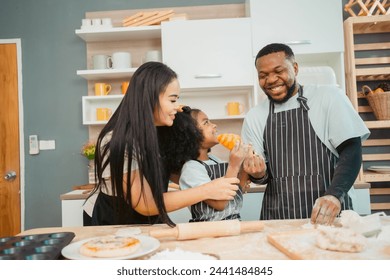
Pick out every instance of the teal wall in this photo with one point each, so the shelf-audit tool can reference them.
(51, 55)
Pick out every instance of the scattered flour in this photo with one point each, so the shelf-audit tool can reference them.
(368, 226)
(129, 231)
(179, 254)
(308, 225)
(340, 239)
(384, 235)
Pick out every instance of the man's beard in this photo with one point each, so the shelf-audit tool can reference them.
(290, 92)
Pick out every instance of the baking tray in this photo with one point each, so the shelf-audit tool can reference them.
(34, 246)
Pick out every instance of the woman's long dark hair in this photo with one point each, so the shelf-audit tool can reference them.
(134, 134)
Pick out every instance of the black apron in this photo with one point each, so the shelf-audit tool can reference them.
(300, 166)
(106, 212)
(202, 211)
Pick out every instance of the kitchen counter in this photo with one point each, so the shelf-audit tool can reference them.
(82, 192)
(72, 204)
(244, 246)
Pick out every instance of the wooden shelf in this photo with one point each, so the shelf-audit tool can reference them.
(372, 46)
(376, 142)
(370, 24)
(373, 74)
(375, 157)
(370, 176)
(366, 64)
(377, 124)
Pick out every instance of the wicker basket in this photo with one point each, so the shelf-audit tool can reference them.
(379, 102)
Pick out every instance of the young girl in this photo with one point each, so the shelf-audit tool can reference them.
(132, 181)
(195, 135)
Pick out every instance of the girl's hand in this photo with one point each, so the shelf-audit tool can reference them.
(238, 154)
(254, 164)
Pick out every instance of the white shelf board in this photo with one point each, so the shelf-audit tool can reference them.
(106, 73)
(95, 122)
(223, 118)
(119, 33)
(96, 98)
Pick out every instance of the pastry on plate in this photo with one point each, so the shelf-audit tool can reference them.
(110, 246)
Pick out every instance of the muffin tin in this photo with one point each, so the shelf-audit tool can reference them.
(35, 246)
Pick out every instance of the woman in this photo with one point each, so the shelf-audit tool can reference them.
(131, 179)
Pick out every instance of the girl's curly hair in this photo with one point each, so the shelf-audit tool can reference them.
(181, 141)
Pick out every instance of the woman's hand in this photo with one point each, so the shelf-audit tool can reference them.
(221, 188)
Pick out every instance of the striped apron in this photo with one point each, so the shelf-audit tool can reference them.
(300, 166)
(203, 212)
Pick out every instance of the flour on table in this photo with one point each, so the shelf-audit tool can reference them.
(384, 235)
(179, 254)
(340, 239)
(369, 225)
(129, 231)
(308, 225)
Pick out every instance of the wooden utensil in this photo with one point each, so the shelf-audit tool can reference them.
(154, 19)
(196, 230)
(138, 18)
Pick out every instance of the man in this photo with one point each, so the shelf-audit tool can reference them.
(310, 137)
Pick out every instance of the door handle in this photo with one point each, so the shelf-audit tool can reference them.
(10, 176)
(208, 76)
(299, 42)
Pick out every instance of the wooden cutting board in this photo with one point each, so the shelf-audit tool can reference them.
(301, 245)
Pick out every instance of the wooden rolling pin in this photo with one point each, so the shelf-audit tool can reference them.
(196, 230)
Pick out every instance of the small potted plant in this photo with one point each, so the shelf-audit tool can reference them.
(88, 150)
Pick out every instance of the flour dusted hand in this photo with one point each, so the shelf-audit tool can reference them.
(325, 210)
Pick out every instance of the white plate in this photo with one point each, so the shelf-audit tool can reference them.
(148, 245)
(380, 169)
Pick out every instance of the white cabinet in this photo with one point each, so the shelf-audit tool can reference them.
(209, 53)
(213, 61)
(308, 26)
(312, 28)
(72, 208)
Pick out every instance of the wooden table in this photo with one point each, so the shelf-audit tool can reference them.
(245, 246)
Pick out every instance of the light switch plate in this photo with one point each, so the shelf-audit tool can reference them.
(47, 144)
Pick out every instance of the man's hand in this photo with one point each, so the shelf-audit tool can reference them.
(325, 210)
(254, 164)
